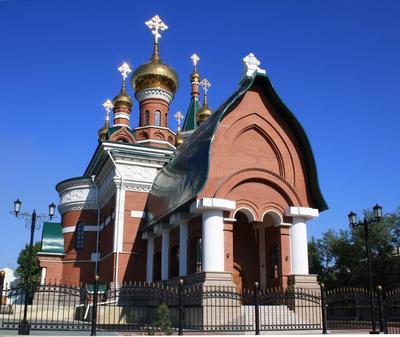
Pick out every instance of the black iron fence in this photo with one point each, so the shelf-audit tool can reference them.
(152, 308)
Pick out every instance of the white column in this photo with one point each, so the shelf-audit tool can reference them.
(299, 249)
(165, 255)
(43, 272)
(150, 259)
(261, 243)
(183, 243)
(213, 240)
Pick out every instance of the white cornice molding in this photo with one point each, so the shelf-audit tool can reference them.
(303, 212)
(155, 127)
(212, 203)
(164, 142)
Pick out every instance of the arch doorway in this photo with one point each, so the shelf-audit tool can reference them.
(245, 252)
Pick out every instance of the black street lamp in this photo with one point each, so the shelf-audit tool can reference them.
(32, 221)
(377, 210)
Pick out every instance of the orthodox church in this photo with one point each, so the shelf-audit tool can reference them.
(223, 200)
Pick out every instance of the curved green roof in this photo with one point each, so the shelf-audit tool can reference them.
(52, 238)
(183, 178)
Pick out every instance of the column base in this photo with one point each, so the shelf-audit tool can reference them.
(303, 281)
(209, 279)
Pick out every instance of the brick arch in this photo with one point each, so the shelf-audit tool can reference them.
(237, 138)
(273, 135)
(247, 184)
(122, 134)
(158, 136)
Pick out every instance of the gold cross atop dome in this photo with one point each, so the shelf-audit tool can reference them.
(108, 106)
(125, 70)
(195, 59)
(156, 24)
(205, 84)
(179, 117)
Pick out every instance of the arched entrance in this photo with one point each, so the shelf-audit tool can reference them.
(245, 251)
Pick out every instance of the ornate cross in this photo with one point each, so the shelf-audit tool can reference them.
(108, 106)
(125, 70)
(179, 117)
(195, 59)
(156, 24)
(251, 64)
(205, 85)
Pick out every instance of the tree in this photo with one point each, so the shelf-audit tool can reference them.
(23, 259)
(339, 258)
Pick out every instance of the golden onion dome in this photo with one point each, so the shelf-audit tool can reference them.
(195, 77)
(155, 74)
(203, 113)
(123, 99)
(103, 133)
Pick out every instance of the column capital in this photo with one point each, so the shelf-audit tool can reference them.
(179, 218)
(303, 212)
(212, 203)
(148, 235)
(162, 227)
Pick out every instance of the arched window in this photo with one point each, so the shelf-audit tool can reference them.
(157, 118)
(79, 236)
(147, 117)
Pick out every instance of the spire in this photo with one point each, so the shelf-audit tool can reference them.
(104, 130)
(179, 140)
(194, 106)
(156, 25)
(204, 111)
(122, 103)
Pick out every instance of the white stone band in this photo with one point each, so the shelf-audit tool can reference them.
(154, 93)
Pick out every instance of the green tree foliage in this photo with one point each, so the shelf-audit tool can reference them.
(23, 259)
(163, 324)
(339, 258)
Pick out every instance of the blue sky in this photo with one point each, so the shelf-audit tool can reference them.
(334, 63)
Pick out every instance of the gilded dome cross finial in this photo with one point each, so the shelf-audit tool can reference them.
(156, 24)
(125, 70)
(108, 106)
(195, 59)
(179, 117)
(205, 84)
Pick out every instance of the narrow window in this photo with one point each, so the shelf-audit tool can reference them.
(147, 117)
(157, 118)
(79, 236)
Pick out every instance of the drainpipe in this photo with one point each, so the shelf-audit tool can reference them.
(96, 268)
(117, 215)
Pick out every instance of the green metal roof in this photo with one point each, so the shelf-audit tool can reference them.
(52, 238)
(183, 178)
(190, 119)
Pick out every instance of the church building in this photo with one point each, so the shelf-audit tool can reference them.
(224, 199)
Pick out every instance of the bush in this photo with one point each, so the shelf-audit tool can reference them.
(163, 324)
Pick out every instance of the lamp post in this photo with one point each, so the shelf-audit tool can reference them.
(33, 221)
(366, 223)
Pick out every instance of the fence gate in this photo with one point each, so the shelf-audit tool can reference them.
(349, 308)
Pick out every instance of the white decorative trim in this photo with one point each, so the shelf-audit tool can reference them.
(121, 115)
(156, 141)
(154, 93)
(275, 215)
(305, 212)
(251, 66)
(120, 124)
(138, 173)
(155, 127)
(138, 214)
(136, 187)
(212, 203)
(246, 211)
(115, 146)
(87, 228)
